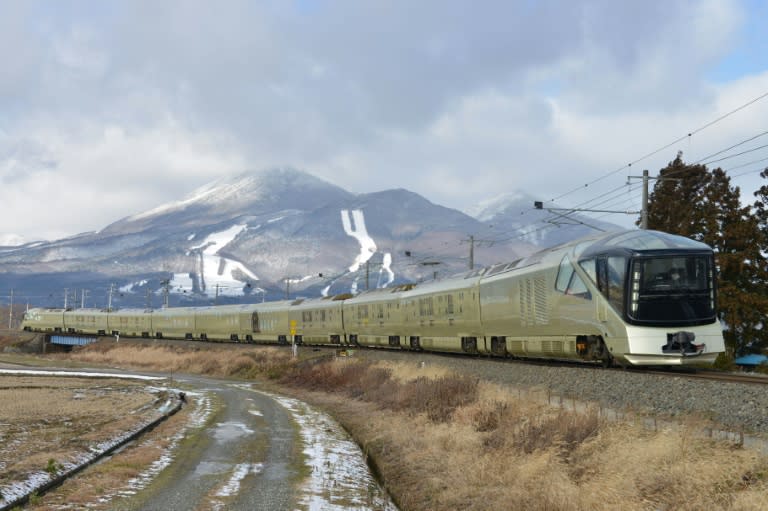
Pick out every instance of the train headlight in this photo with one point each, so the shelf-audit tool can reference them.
(635, 291)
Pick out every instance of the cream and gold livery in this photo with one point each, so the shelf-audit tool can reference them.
(633, 297)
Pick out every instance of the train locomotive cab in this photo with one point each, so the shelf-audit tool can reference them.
(662, 287)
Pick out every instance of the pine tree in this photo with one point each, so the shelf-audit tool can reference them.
(677, 189)
(761, 211)
(692, 201)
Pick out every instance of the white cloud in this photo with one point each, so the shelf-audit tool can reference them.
(110, 109)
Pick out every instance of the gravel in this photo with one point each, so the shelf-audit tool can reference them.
(741, 407)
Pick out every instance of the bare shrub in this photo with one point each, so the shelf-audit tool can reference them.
(439, 398)
(488, 417)
(241, 365)
(210, 366)
(566, 430)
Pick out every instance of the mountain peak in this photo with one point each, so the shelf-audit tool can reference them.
(249, 191)
(500, 204)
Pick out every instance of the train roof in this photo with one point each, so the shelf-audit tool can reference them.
(640, 241)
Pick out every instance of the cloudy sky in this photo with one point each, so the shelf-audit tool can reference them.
(109, 108)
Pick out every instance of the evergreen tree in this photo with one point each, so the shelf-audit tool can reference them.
(692, 201)
(761, 211)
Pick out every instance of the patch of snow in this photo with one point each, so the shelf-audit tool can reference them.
(354, 226)
(191, 236)
(12, 240)
(32, 372)
(215, 274)
(273, 220)
(386, 267)
(128, 288)
(487, 209)
(339, 479)
(241, 470)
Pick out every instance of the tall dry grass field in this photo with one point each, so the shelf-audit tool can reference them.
(224, 361)
(45, 418)
(444, 441)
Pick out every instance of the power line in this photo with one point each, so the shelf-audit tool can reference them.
(735, 155)
(732, 147)
(667, 146)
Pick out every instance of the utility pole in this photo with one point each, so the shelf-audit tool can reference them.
(84, 293)
(471, 252)
(109, 301)
(644, 207)
(472, 242)
(66, 295)
(644, 213)
(165, 284)
(10, 311)
(287, 288)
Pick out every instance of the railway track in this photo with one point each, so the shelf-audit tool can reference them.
(687, 372)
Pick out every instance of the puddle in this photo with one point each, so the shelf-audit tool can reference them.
(228, 431)
(209, 468)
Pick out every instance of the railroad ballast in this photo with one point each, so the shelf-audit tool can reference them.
(631, 297)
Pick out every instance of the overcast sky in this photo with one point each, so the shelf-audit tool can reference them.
(111, 108)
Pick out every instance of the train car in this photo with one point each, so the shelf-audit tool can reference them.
(173, 323)
(608, 298)
(656, 297)
(222, 323)
(444, 315)
(130, 322)
(375, 318)
(317, 321)
(86, 321)
(43, 320)
(271, 323)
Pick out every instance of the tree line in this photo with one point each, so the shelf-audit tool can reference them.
(702, 204)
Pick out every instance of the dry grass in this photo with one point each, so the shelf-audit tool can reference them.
(89, 489)
(46, 419)
(487, 448)
(243, 363)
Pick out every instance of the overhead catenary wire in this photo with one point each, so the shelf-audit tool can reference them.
(664, 147)
(618, 195)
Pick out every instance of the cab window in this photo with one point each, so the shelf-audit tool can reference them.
(568, 281)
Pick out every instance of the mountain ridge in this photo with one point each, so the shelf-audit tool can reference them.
(265, 229)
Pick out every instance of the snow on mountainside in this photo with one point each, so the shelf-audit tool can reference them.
(516, 215)
(488, 209)
(268, 235)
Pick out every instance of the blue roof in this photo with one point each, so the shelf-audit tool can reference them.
(751, 360)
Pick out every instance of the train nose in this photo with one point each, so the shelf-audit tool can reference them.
(682, 342)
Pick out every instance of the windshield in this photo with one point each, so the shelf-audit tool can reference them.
(673, 289)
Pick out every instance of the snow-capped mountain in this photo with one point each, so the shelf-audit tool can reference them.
(258, 236)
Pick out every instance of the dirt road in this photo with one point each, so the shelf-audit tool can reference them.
(246, 456)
